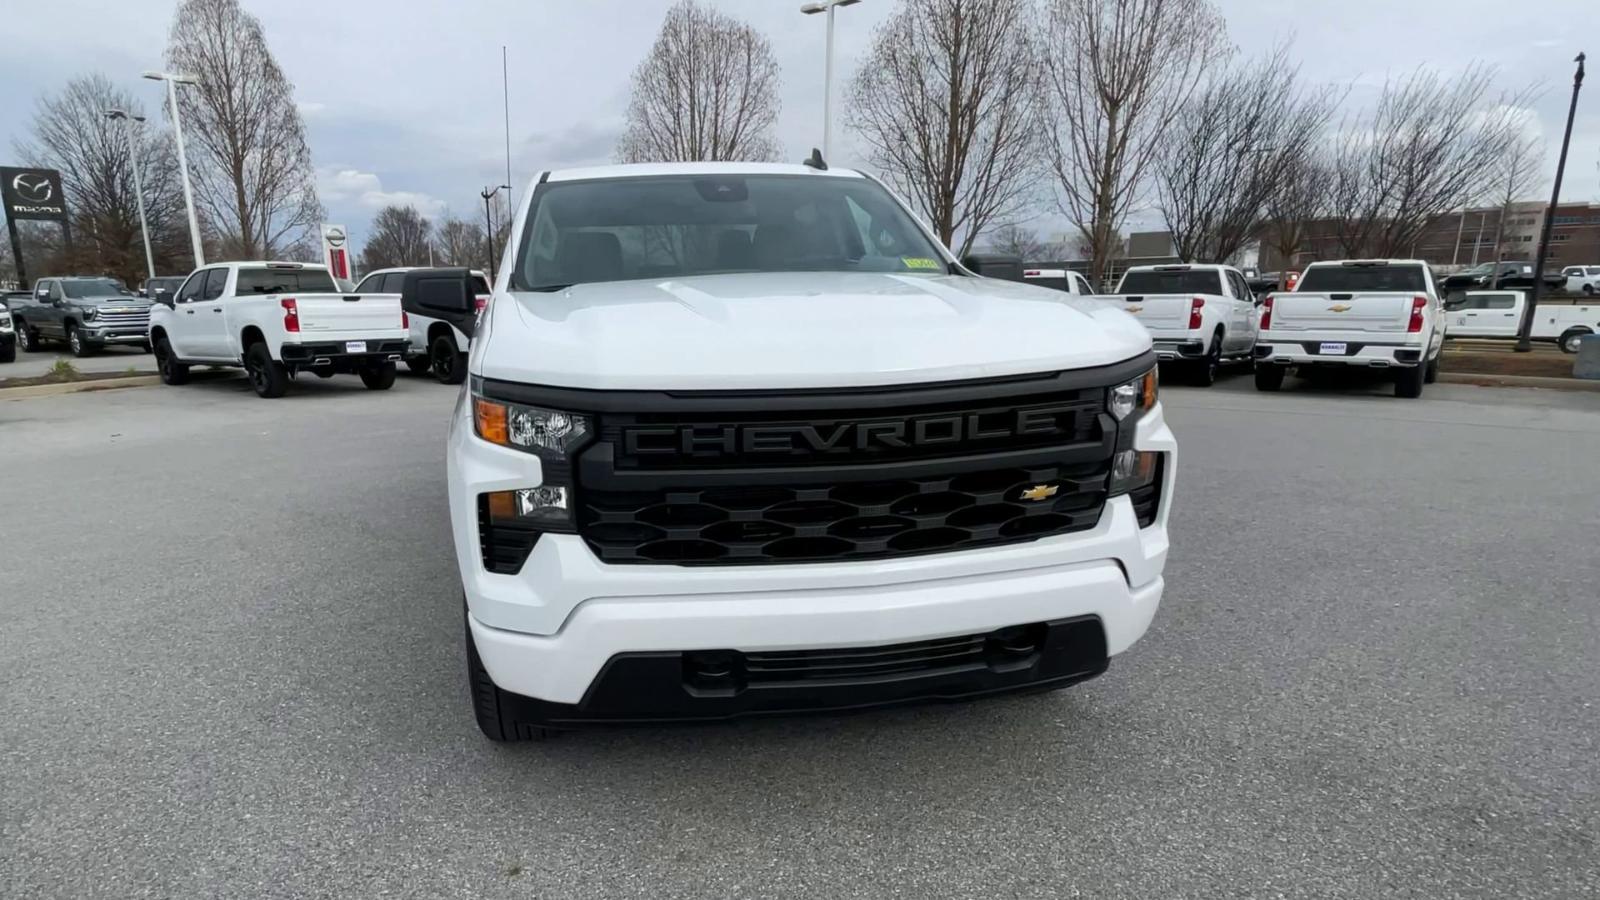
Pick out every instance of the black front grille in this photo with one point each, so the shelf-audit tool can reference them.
(504, 545)
(824, 521)
(860, 664)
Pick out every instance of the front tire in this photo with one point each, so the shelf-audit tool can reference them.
(490, 705)
(8, 353)
(267, 376)
(449, 364)
(1408, 383)
(1270, 377)
(378, 377)
(172, 371)
(79, 345)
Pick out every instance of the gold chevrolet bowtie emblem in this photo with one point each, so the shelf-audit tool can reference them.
(1338, 307)
(1040, 492)
(1135, 309)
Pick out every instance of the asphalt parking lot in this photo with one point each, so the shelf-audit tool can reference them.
(231, 666)
(116, 358)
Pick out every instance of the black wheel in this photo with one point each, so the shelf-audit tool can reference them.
(1205, 371)
(1572, 340)
(267, 375)
(378, 376)
(490, 705)
(1588, 289)
(1431, 374)
(419, 365)
(1270, 377)
(78, 344)
(449, 365)
(172, 371)
(1408, 382)
(8, 353)
(27, 338)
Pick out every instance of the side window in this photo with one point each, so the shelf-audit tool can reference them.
(393, 282)
(1477, 301)
(370, 285)
(41, 290)
(55, 291)
(216, 280)
(1241, 289)
(191, 288)
(1499, 301)
(1082, 283)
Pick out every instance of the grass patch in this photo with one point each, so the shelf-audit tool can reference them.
(64, 370)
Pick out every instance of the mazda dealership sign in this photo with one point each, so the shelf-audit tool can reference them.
(32, 194)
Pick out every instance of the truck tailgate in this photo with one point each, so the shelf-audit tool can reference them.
(1162, 312)
(341, 313)
(1375, 312)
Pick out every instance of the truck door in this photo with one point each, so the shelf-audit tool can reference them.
(1241, 314)
(48, 320)
(184, 331)
(209, 321)
(1484, 314)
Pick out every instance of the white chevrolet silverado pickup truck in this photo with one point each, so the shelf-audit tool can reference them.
(744, 439)
(1200, 316)
(1372, 313)
(276, 320)
(435, 346)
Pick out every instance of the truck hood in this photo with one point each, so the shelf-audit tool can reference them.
(796, 330)
(118, 302)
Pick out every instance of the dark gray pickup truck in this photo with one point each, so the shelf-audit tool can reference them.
(82, 312)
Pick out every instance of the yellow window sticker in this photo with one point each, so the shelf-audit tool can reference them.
(920, 262)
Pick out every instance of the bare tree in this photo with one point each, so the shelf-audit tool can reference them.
(1117, 73)
(1229, 148)
(249, 159)
(1517, 172)
(1297, 201)
(708, 90)
(458, 242)
(945, 100)
(1015, 240)
(1430, 145)
(71, 133)
(399, 236)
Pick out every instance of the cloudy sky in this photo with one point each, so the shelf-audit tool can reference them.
(402, 98)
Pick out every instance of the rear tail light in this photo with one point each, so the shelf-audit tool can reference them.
(1266, 312)
(1195, 306)
(480, 302)
(1418, 304)
(405, 320)
(291, 315)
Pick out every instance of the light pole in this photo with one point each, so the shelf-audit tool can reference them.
(488, 221)
(1524, 345)
(173, 81)
(138, 184)
(809, 9)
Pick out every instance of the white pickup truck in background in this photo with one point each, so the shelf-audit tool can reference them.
(276, 319)
(1064, 280)
(435, 345)
(1498, 314)
(1200, 316)
(1375, 313)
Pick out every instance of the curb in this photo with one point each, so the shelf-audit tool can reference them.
(1527, 381)
(76, 387)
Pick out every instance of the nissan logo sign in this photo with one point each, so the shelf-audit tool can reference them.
(32, 187)
(334, 236)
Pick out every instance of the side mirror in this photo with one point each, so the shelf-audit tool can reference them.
(995, 265)
(450, 295)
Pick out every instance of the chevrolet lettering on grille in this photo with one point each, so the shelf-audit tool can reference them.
(944, 431)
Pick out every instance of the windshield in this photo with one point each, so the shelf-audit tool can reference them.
(1362, 278)
(285, 281)
(93, 287)
(1173, 281)
(673, 226)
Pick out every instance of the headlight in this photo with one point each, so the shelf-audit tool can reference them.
(90, 314)
(550, 433)
(1136, 395)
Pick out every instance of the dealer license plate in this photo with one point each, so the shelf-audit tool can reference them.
(1332, 348)
(361, 347)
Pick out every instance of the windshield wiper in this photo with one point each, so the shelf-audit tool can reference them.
(547, 288)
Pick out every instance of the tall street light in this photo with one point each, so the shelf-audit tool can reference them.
(138, 184)
(173, 81)
(1524, 331)
(488, 221)
(810, 9)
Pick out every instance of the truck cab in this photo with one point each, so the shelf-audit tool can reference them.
(744, 439)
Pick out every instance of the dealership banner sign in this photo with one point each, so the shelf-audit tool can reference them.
(32, 194)
(336, 251)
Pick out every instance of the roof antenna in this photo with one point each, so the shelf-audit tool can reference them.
(815, 160)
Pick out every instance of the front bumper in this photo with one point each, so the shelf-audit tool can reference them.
(550, 630)
(116, 334)
(1359, 353)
